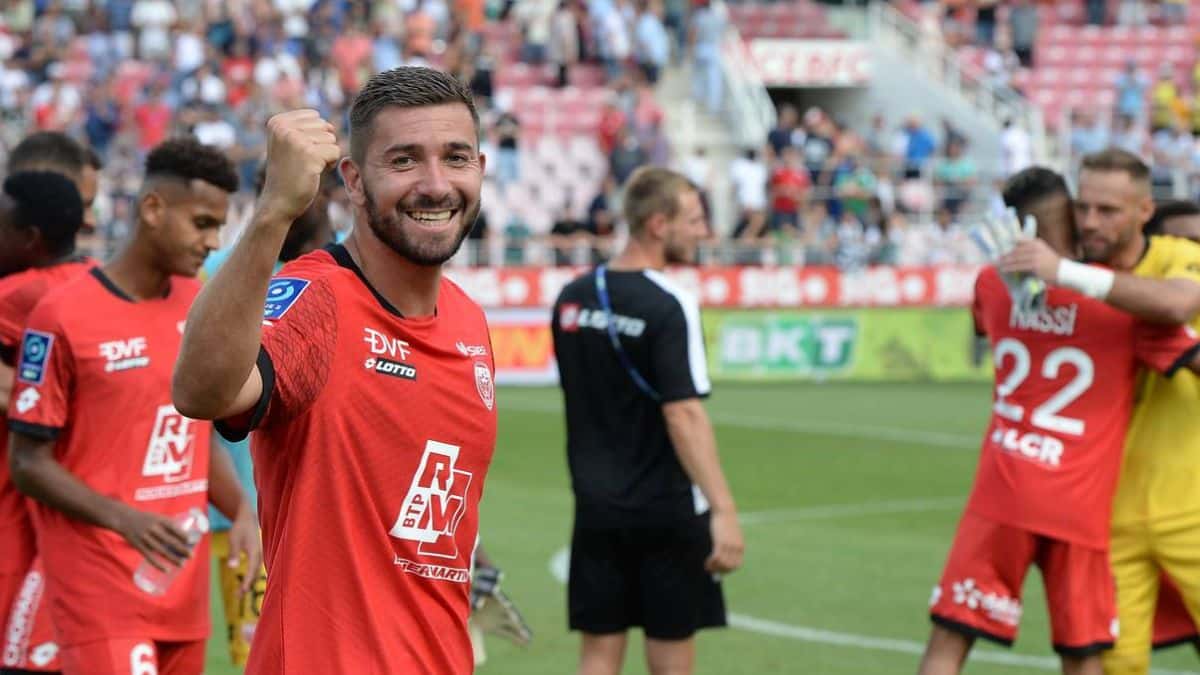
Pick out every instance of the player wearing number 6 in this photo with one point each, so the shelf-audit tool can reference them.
(367, 381)
(1065, 376)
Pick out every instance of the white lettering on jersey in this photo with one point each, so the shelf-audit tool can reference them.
(141, 660)
(1041, 448)
(435, 504)
(572, 317)
(43, 654)
(124, 354)
(470, 350)
(1053, 320)
(384, 345)
(27, 400)
(172, 448)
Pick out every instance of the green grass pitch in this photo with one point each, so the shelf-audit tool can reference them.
(851, 493)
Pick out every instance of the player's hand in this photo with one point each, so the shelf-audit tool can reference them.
(1031, 256)
(300, 147)
(493, 611)
(728, 545)
(245, 540)
(156, 537)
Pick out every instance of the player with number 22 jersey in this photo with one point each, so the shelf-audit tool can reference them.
(1065, 378)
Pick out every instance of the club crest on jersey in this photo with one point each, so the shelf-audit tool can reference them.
(432, 510)
(484, 384)
(282, 293)
(35, 354)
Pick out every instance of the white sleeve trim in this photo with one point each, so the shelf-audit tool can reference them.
(695, 330)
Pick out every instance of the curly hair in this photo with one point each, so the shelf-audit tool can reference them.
(49, 202)
(188, 159)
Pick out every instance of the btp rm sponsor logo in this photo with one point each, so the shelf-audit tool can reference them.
(432, 510)
(388, 355)
(124, 354)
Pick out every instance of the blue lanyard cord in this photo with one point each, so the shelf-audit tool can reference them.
(611, 325)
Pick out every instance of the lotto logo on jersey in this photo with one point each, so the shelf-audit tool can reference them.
(172, 447)
(20, 621)
(997, 607)
(124, 354)
(35, 354)
(1041, 448)
(435, 503)
(572, 317)
(282, 293)
(382, 347)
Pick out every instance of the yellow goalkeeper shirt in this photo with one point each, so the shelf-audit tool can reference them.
(1160, 478)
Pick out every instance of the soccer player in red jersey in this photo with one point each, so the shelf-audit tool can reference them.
(40, 213)
(1065, 375)
(109, 486)
(368, 382)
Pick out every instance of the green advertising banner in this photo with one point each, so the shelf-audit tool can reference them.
(933, 344)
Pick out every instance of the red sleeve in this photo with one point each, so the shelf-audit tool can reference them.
(294, 360)
(44, 377)
(1164, 348)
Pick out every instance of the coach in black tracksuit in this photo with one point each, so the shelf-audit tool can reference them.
(655, 522)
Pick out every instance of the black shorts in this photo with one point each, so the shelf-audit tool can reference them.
(652, 577)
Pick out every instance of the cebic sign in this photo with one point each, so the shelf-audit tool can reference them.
(809, 63)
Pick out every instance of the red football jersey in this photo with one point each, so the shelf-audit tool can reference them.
(19, 293)
(94, 373)
(372, 441)
(1064, 389)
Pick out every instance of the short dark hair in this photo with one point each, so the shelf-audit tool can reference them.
(1031, 185)
(403, 87)
(49, 151)
(188, 159)
(49, 202)
(1172, 208)
(1116, 159)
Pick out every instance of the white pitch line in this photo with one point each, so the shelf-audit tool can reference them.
(844, 429)
(820, 636)
(560, 564)
(863, 509)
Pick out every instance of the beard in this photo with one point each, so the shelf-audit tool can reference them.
(429, 251)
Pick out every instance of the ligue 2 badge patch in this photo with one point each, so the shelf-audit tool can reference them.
(484, 385)
(282, 293)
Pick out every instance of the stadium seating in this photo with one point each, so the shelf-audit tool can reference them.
(796, 19)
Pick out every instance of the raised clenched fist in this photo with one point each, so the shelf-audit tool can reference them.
(300, 147)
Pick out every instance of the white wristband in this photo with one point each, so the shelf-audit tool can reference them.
(1094, 282)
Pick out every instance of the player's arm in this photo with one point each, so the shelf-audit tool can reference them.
(1175, 300)
(38, 475)
(6, 384)
(681, 380)
(695, 444)
(216, 375)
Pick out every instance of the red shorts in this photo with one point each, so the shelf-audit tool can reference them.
(29, 642)
(1173, 624)
(131, 656)
(980, 591)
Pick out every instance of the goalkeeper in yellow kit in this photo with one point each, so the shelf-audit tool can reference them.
(1156, 513)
